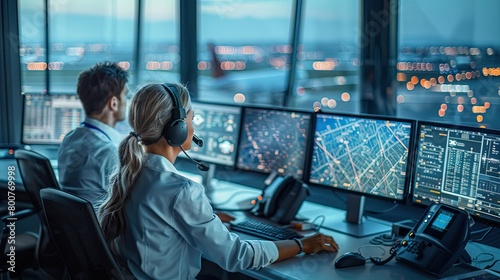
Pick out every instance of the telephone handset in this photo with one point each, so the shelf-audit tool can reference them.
(438, 240)
(281, 199)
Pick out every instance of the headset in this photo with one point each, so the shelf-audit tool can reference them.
(176, 130)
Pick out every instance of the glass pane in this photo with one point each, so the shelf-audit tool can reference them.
(328, 68)
(84, 32)
(448, 62)
(32, 46)
(244, 51)
(160, 56)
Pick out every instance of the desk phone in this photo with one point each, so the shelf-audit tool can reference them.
(438, 240)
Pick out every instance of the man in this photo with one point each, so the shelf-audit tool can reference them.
(88, 155)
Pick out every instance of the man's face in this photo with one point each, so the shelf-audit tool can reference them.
(121, 114)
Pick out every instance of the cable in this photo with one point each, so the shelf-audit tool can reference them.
(384, 239)
(476, 258)
(375, 246)
(491, 265)
(303, 225)
(488, 229)
(392, 251)
(318, 227)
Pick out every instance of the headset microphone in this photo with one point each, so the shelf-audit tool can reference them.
(197, 140)
(201, 166)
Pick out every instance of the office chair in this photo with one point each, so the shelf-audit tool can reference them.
(78, 236)
(16, 211)
(37, 173)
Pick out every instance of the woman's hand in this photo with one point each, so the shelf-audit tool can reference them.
(319, 242)
(310, 245)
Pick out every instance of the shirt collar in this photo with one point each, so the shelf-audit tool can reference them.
(114, 135)
(160, 163)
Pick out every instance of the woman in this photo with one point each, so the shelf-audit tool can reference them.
(159, 222)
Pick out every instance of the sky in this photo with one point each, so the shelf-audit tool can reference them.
(243, 21)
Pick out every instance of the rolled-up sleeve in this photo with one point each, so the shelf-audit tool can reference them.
(204, 231)
(265, 253)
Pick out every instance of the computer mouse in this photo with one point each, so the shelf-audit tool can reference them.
(349, 259)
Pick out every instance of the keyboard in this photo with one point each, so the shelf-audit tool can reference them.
(264, 230)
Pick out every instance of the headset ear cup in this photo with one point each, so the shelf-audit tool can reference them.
(176, 133)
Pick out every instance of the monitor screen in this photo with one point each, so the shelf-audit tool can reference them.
(48, 118)
(366, 155)
(274, 140)
(458, 166)
(219, 127)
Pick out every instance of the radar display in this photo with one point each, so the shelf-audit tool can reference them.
(363, 155)
(274, 140)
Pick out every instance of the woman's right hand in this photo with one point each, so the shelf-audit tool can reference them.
(319, 242)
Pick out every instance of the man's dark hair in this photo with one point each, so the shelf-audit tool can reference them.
(99, 83)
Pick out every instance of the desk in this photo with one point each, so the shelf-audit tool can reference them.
(320, 266)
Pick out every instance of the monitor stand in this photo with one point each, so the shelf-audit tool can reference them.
(206, 181)
(354, 223)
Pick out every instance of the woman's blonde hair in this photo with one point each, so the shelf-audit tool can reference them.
(150, 110)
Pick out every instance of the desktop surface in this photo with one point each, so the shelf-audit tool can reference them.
(321, 265)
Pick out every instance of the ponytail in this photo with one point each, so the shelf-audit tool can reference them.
(111, 214)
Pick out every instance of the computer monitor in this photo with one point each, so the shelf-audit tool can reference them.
(459, 166)
(219, 127)
(365, 156)
(48, 118)
(274, 140)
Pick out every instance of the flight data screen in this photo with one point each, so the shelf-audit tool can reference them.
(48, 118)
(219, 127)
(458, 166)
(274, 140)
(363, 155)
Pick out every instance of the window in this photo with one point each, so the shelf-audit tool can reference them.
(244, 50)
(32, 46)
(448, 66)
(84, 32)
(80, 33)
(328, 68)
(159, 47)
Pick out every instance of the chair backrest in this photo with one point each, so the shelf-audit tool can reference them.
(36, 173)
(78, 236)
